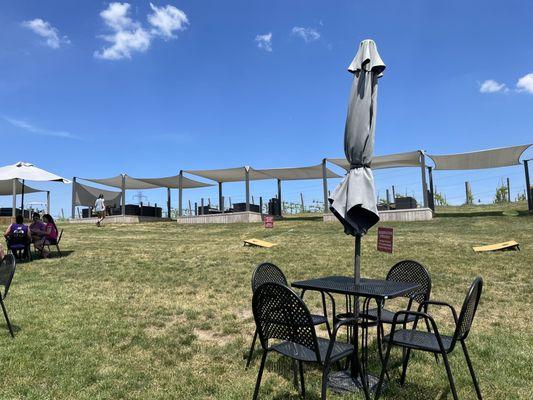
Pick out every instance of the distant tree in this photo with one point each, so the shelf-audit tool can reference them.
(501, 195)
(521, 197)
(440, 200)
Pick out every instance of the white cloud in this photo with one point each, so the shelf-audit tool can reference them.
(47, 31)
(491, 86)
(307, 34)
(525, 83)
(18, 123)
(264, 41)
(128, 36)
(166, 20)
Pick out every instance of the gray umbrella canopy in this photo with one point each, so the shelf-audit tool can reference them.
(353, 202)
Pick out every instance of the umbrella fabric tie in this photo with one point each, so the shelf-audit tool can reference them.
(356, 166)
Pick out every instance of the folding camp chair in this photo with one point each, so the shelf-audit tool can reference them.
(56, 244)
(7, 270)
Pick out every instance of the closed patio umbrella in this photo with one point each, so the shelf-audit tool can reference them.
(353, 201)
(26, 172)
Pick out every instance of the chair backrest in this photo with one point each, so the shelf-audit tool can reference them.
(280, 313)
(468, 311)
(414, 272)
(7, 270)
(59, 237)
(267, 272)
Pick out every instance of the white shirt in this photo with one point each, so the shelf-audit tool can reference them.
(99, 205)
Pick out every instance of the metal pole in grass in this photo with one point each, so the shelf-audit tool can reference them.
(247, 185)
(528, 187)
(325, 185)
(278, 211)
(220, 198)
(180, 194)
(73, 198)
(123, 188)
(424, 182)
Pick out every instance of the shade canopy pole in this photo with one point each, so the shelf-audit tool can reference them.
(528, 187)
(325, 185)
(169, 209)
(14, 208)
(220, 198)
(123, 187)
(424, 182)
(247, 182)
(48, 202)
(357, 269)
(279, 198)
(431, 188)
(180, 194)
(73, 208)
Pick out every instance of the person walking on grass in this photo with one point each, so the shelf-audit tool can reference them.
(99, 207)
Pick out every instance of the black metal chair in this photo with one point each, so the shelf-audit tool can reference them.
(281, 314)
(434, 342)
(7, 270)
(403, 271)
(268, 272)
(56, 243)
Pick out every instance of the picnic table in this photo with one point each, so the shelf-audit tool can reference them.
(378, 290)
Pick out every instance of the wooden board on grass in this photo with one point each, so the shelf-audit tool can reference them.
(511, 245)
(259, 243)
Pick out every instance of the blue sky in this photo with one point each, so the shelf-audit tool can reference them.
(94, 89)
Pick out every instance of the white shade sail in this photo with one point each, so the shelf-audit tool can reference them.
(28, 172)
(298, 173)
(86, 195)
(398, 160)
(492, 158)
(6, 188)
(171, 182)
(230, 174)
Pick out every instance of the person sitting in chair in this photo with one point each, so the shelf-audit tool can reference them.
(18, 237)
(50, 235)
(37, 228)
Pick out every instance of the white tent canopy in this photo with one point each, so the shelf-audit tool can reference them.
(28, 172)
(493, 158)
(398, 160)
(6, 188)
(173, 182)
(130, 183)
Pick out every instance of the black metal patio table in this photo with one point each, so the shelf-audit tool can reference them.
(369, 289)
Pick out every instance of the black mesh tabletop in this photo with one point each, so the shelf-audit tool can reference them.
(373, 288)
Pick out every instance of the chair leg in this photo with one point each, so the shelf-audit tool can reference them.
(7, 318)
(383, 370)
(380, 336)
(260, 374)
(404, 367)
(251, 352)
(59, 251)
(450, 376)
(302, 382)
(325, 375)
(429, 330)
(471, 368)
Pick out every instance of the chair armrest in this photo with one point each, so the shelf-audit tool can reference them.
(438, 303)
(333, 338)
(418, 315)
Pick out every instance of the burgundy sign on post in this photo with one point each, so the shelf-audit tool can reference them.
(269, 221)
(385, 237)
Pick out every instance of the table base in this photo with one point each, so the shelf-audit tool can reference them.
(341, 382)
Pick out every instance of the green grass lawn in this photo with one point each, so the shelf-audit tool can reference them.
(163, 311)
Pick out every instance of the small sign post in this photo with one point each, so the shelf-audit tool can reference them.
(385, 239)
(269, 221)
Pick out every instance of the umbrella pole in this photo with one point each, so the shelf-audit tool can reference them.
(357, 268)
